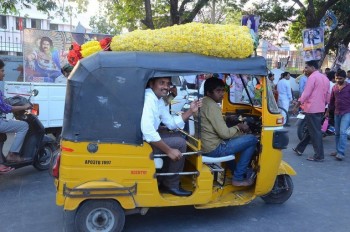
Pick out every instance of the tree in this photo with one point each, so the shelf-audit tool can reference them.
(295, 16)
(221, 11)
(313, 15)
(11, 6)
(151, 14)
(8, 6)
(99, 24)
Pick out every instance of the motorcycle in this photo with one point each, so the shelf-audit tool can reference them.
(302, 128)
(37, 146)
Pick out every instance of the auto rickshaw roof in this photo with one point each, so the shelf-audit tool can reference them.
(105, 91)
(175, 63)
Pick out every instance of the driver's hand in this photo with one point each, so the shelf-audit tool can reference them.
(195, 105)
(174, 154)
(243, 127)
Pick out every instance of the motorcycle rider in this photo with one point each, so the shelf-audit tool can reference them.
(20, 128)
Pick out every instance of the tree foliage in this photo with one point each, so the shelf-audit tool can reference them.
(48, 6)
(9, 6)
(297, 15)
(99, 24)
(151, 14)
(221, 12)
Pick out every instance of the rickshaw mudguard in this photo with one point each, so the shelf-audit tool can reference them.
(100, 189)
(285, 168)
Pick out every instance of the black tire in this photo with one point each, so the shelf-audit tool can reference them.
(42, 161)
(100, 215)
(281, 191)
(284, 114)
(302, 129)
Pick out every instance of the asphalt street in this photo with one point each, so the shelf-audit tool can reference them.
(320, 203)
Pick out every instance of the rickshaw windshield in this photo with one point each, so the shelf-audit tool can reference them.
(271, 102)
(244, 89)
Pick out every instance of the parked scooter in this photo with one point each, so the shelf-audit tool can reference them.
(302, 128)
(37, 146)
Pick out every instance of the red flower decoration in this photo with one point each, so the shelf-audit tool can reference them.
(75, 46)
(105, 43)
(74, 54)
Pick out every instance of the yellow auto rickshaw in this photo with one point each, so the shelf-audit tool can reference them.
(104, 170)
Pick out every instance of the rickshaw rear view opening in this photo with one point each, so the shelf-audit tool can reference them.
(104, 170)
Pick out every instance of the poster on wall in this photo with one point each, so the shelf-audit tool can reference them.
(45, 52)
(313, 43)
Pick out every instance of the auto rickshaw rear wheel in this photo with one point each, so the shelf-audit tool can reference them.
(281, 191)
(100, 215)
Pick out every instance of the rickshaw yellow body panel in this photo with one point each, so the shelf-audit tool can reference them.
(285, 168)
(125, 166)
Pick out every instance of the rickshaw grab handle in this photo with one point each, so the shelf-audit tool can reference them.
(184, 154)
(177, 173)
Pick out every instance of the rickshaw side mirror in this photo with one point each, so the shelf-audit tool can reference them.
(35, 92)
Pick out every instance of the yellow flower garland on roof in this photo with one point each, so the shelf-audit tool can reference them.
(90, 48)
(227, 41)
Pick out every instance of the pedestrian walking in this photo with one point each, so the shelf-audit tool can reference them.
(313, 101)
(284, 92)
(340, 103)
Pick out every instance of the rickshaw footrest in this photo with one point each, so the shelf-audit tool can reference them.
(215, 167)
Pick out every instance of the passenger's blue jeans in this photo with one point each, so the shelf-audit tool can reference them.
(341, 123)
(245, 145)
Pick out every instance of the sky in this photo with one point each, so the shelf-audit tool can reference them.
(92, 10)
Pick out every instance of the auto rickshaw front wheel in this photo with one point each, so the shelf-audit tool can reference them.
(281, 191)
(100, 215)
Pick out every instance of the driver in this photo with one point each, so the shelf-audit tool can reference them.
(20, 128)
(219, 140)
(170, 143)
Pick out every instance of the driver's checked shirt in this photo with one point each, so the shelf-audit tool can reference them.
(155, 112)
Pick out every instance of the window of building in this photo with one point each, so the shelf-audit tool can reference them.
(3, 22)
(53, 27)
(21, 23)
(36, 23)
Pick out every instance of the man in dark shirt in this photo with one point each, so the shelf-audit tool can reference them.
(340, 103)
(20, 128)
